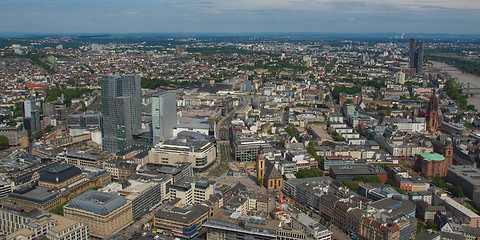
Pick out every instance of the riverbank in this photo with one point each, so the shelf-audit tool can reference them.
(461, 77)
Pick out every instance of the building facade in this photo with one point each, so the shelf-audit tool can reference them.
(416, 55)
(164, 116)
(105, 213)
(267, 174)
(199, 153)
(432, 118)
(431, 164)
(23, 222)
(121, 109)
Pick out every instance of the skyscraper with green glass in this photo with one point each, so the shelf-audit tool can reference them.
(121, 109)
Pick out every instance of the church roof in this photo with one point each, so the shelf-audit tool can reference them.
(432, 156)
(271, 172)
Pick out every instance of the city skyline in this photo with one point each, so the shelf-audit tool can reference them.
(459, 17)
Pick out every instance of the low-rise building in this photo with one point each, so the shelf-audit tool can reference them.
(120, 169)
(201, 154)
(427, 212)
(431, 164)
(184, 222)
(464, 214)
(60, 176)
(25, 222)
(192, 191)
(373, 229)
(177, 172)
(310, 227)
(37, 197)
(337, 160)
(143, 195)
(83, 159)
(349, 172)
(105, 213)
(466, 176)
(232, 225)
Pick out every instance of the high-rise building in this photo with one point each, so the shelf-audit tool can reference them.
(416, 55)
(164, 116)
(400, 78)
(31, 120)
(122, 111)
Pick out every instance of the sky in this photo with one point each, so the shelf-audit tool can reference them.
(240, 16)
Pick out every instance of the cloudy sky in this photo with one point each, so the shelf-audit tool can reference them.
(239, 16)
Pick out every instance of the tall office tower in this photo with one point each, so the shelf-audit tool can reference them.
(416, 55)
(164, 116)
(122, 111)
(400, 78)
(31, 120)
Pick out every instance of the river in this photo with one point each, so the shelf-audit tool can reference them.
(462, 77)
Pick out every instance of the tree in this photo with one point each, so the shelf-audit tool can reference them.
(4, 142)
(351, 185)
(438, 181)
(327, 98)
(456, 190)
(309, 173)
(432, 225)
(359, 178)
(420, 225)
(374, 179)
(12, 123)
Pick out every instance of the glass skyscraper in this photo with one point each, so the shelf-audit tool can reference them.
(31, 119)
(122, 111)
(164, 116)
(416, 55)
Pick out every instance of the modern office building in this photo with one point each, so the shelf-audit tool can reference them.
(31, 120)
(105, 213)
(184, 222)
(311, 227)
(349, 172)
(225, 225)
(164, 116)
(121, 109)
(192, 191)
(6, 187)
(201, 154)
(83, 159)
(24, 222)
(142, 195)
(84, 120)
(465, 176)
(416, 55)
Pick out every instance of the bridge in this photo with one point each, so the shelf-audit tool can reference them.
(471, 89)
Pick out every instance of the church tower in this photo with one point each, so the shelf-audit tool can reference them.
(260, 166)
(448, 153)
(431, 116)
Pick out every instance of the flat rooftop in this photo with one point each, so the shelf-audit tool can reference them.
(184, 215)
(471, 174)
(357, 169)
(97, 202)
